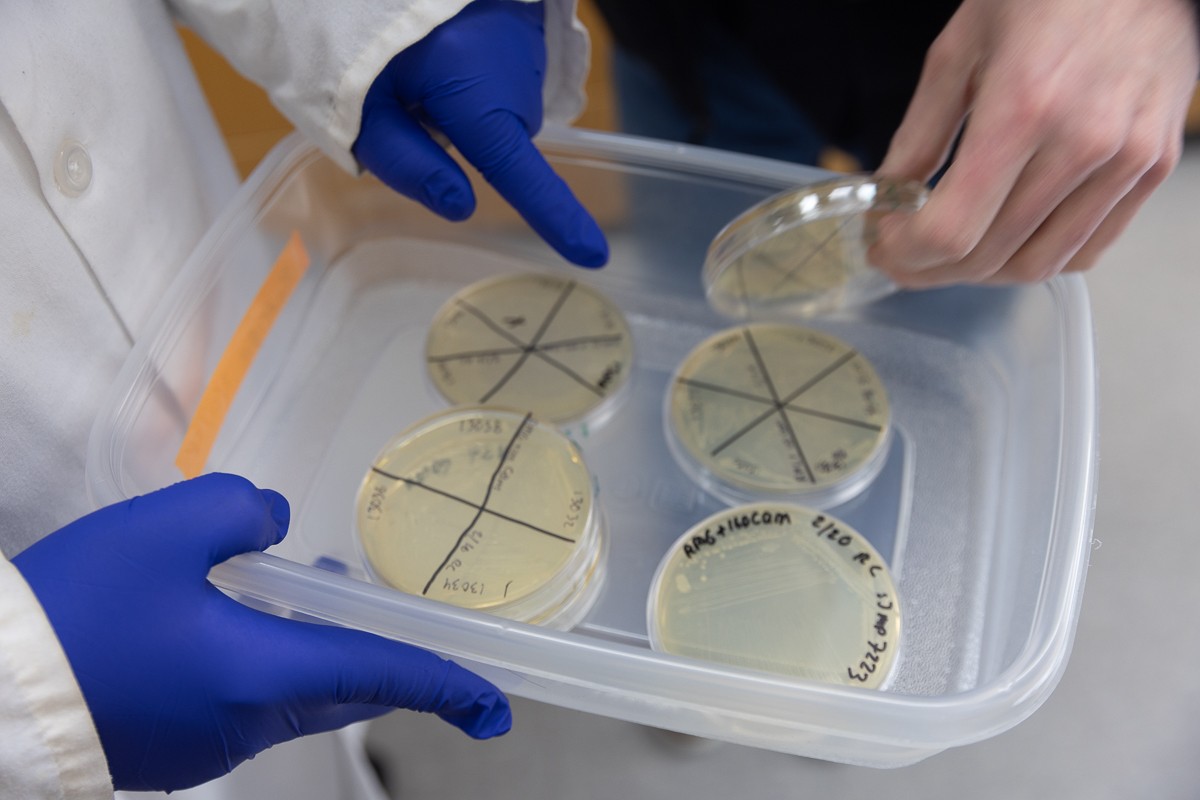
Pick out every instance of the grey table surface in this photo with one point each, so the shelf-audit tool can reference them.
(1125, 720)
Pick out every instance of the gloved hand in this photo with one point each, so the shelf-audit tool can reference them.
(477, 79)
(184, 683)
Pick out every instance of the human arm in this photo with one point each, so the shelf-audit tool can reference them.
(182, 682)
(423, 61)
(1075, 112)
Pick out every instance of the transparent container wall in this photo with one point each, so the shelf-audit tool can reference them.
(968, 507)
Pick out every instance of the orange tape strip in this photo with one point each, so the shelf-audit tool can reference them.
(239, 355)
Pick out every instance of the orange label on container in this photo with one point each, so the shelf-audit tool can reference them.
(239, 354)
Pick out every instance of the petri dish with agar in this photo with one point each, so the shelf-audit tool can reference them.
(539, 343)
(779, 588)
(486, 509)
(803, 252)
(778, 411)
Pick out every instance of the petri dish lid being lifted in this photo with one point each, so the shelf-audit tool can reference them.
(803, 252)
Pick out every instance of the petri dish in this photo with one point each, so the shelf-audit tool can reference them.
(486, 509)
(539, 343)
(778, 411)
(803, 252)
(779, 588)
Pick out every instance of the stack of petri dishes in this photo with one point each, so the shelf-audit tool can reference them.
(486, 509)
(487, 505)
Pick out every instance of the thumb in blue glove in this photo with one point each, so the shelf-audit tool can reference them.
(477, 79)
(184, 683)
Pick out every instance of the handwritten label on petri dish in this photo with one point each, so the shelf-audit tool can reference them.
(780, 588)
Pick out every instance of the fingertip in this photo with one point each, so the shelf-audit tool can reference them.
(594, 260)
(588, 248)
(378, 671)
(448, 194)
(488, 717)
(215, 516)
(398, 151)
(471, 703)
(280, 509)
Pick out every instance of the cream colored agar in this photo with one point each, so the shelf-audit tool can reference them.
(781, 409)
(779, 588)
(811, 259)
(539, 343)
(480, 508)
(804, 251)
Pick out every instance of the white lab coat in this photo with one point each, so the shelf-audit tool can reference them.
(110, 170)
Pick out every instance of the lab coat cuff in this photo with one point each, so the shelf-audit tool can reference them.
(51, 747)
(567, 54)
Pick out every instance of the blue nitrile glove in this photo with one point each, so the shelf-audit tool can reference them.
(184, 683)
(477, 79)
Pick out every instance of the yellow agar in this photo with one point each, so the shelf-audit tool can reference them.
(539, 343)
(480, 508)
(779, 588)
(779, 409)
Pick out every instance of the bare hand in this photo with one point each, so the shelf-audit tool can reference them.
(1076, 114)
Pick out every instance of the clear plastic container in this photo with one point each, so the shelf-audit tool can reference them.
(983, 508)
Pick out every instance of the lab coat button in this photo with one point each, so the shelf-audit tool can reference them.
(73, 169)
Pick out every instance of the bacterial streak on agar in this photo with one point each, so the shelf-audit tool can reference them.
(803, 251)
(467, 502)
(487, 509)
(824, 446)
(482, 506)
(780, 588)
(532, 346)
(813, 253)
(467, 370)
(780, 406)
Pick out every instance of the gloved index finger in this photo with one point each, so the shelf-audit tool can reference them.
(500, 147)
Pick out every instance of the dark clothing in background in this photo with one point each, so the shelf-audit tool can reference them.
(850, 67)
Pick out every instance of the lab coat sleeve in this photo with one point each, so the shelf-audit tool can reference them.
(316, 58)
(48, 744)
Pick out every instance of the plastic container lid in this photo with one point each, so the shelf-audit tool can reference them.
(485, 509)
(779, 588)
(772, 411)
(541, 343)
(803, 252)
